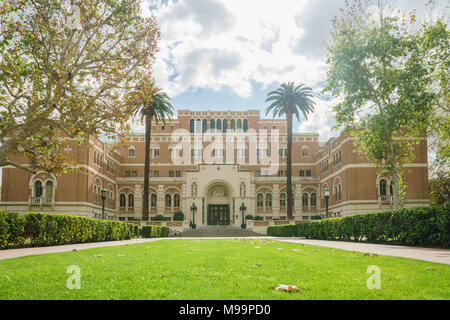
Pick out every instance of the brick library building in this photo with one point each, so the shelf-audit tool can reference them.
(216, 162)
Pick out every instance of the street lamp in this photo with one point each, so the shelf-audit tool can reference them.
(193, 209)
(103, 195)
(326, 193)
(243, 208)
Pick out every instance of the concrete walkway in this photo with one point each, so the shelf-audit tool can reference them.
(427, 254)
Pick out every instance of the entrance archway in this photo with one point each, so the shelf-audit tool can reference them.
(218, 204)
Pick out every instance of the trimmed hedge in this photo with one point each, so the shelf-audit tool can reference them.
(178, 216)
(45, 229)
(412, 227)
(155, 232)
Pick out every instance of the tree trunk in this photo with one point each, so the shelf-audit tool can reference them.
(394, 173)
(289, 167)
(145, 205)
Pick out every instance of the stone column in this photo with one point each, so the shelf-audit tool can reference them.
(138, 201)
(276, 200)
(160, 203)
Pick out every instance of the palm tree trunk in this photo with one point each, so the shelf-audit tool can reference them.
(148, 131)
(289, 167)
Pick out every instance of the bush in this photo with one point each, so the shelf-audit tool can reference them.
(282, 231)
(178, 216)
(154, 232)
(412, 227)
(159, 217)
(259, 218)
(249, 217)
(53, 229)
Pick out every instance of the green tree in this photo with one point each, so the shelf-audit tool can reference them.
(440, 188)
(64, 74)
(290, 100)
(377, 68)
(151, 104)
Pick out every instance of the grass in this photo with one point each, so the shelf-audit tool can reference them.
(220, 269)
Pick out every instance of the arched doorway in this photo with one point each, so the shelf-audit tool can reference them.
(218, 205)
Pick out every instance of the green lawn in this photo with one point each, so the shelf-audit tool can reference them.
(220, 269)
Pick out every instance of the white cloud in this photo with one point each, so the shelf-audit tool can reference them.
(215, 43)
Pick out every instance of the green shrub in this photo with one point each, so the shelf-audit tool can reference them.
(56, 229)
(249, 217)
(159, 217)
(282, 231)
(412, 227)
(154, 232)
(259, 218)
(178, 216)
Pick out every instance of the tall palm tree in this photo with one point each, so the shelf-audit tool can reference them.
(290, 100)
(151, 104)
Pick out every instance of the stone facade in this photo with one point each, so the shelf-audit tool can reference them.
(194, 162)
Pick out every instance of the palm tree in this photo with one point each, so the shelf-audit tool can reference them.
(151, 104)
(290, 100)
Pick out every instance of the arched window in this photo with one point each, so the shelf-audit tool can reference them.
(268, 200)
(305, 151)
(168, 201)
(383, 185)
(335, 193)
(38, 189)
(305, 199)
(131, 152)
(339, 192)
(213, 125)
(49, 189)
(225, 125)
(283, 200)
(260, 200)
(204, 125)
(313, 199)
(245, 125)
(153, 200)
(130, 200)
(233, 125)
(176, 200)
(198, 126)
(390, 188)
(192, 126)
(218, 125)
(123, 201)
(239, 124)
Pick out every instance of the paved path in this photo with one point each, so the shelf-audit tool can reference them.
(427, 254)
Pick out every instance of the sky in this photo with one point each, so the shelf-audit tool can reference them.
(229, 54)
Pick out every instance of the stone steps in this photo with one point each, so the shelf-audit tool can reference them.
(220, 232)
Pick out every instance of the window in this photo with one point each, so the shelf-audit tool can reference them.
(283, 200)
(38, 189)
(156, 174)
(127, 174)
(176, 201)
(130, 200)
(49, 189)
(239, 124)
(168, 201)
(280, 173)
(233, 125)
(305, 199)
(383, 189)
(260, 200)
(218, 125)
(198, 126)
(192, 126)
(131, 152)
(134, 174)
(213, 125)
(268, 200)
(305, 151)
(339, 192)
(302, 173)
(153, 200)
(204, 125)
(313, 199)
(178, 174)
(171, 174)
(308, 173)
(245, 125)
(122, 201)
(225, 125)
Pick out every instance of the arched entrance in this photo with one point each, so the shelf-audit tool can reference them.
(218, 200)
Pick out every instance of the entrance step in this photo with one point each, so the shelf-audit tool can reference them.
(219, 232)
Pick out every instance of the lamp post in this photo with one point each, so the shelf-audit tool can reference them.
(193, 209)
(103, 195)
(326, 193)
(243, 208)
